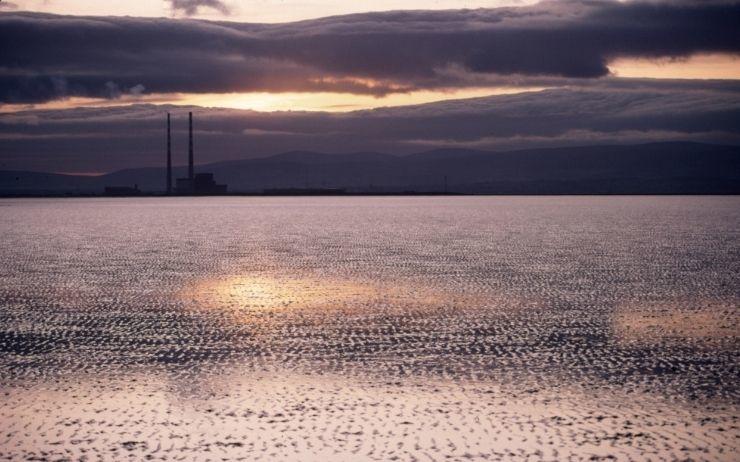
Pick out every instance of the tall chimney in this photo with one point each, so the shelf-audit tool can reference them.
(191, 174)
(169, 157)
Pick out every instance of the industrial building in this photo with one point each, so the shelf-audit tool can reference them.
(202, 184)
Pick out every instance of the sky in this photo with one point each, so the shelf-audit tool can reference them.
(330, 75)
(259, 11)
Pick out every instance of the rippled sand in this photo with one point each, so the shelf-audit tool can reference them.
(370, 329)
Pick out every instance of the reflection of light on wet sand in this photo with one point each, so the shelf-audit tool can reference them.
(270, 293)
(452, 331)
(686, 320)
(262, 293)
(298, 417)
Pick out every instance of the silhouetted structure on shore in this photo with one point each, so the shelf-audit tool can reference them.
(169, 156)
(200, 184)
(191, 171)
(650, 168)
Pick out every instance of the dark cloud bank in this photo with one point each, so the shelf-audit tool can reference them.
(45, 57)
(566, 44)
(629, 111)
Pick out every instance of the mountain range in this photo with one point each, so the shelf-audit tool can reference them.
(653, 168)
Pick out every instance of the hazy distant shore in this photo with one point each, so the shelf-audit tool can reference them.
(355, 194)
(654, 168)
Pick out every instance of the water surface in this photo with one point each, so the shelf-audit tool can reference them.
(415, 328)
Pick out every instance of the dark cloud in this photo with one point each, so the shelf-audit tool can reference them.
(43, 57)
(104, 139)
(191, 7)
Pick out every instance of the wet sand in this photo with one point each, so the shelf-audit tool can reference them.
(370, 329)
(274, 416)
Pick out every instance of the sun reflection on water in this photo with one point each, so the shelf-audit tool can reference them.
(695, 320)
(266, 293)
(260, 293)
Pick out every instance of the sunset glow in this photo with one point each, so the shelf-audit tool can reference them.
(277, 76)
(369, 230)
(710, 66)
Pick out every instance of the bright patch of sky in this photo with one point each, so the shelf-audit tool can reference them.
(254, 10)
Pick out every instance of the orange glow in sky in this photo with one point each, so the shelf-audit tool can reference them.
(710, 66)
(336, 102)
(291, 101)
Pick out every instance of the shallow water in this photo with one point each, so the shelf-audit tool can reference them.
(539, 328)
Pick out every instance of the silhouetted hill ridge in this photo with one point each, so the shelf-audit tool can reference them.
(309, 157)
(652, 168)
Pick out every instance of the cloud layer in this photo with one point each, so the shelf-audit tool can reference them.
(46, 57)
(105, 139)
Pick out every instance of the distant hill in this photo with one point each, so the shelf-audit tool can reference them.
(654, 168)
(12, 181)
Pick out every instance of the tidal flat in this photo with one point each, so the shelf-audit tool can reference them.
(370, 328)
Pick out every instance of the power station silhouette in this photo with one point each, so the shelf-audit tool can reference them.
(194, 184)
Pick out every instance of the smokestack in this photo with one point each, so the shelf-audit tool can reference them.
(191, 174)
(169, 157)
